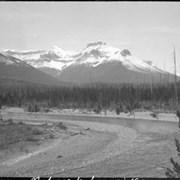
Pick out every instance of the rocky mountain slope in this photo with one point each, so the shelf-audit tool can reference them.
(97, 62)
(12, 68)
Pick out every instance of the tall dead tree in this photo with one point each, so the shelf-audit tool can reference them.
(175, 172)
(175, 79)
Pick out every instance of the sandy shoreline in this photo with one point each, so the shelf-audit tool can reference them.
(145, 115)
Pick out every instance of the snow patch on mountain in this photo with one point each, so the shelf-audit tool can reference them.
(97, 53)
(51, 64)
(25, 55)
(133, 63)
(10, 60)
(61, 53)
(6, 60)
(100, 49)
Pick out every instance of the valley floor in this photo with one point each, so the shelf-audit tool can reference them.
(92, 147)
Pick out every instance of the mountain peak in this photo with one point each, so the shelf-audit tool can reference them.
(125, 52)
(61, 52)
(57, 50)
(101, 47)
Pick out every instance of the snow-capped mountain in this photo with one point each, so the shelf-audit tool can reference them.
(53, 60)
(98, 59)
(12, 68)
(98, 53)
(10, 60)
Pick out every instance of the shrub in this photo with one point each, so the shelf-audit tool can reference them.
(46, 110)
(21, 123)
(37, 131)
(1, 117)
(51, 136)
(61, 126)
(98, 109)
(31, 138)
(119, 109)
(33, 108)
(10, 121)
(29, 128)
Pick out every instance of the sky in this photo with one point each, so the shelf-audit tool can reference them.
(149, 30)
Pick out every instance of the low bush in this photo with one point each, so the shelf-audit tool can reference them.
(119, 109)
(51, 136)
(31, 138)
(33, 108)
(46, 110)
(60, 125)
(10, 121)
(21, 123)
(37, 131)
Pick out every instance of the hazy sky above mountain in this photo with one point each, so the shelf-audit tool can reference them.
(148, 29)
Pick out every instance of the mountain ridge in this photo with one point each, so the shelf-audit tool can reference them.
(61, 64)
(93, 53)
(13, 68)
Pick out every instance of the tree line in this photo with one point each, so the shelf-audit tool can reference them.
(88, 96)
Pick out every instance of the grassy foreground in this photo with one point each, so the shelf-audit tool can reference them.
(13, 133)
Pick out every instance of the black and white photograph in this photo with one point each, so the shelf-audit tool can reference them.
(90, 89)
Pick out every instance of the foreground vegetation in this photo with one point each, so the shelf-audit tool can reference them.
(12, 133)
